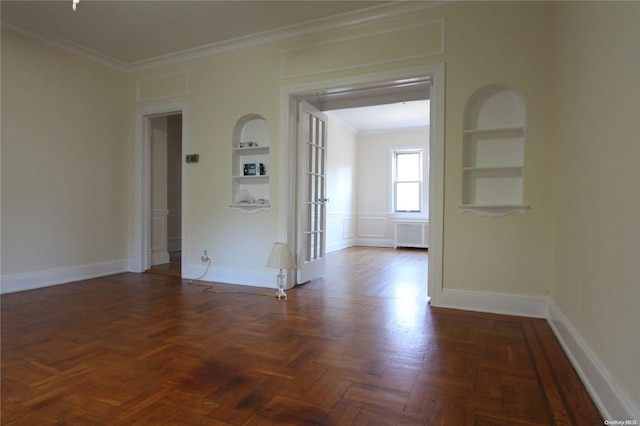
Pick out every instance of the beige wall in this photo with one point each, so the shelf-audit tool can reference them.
(596, 272)
(64, 168)
(252, 79)
(222, 89)
(485, 43)
(500, 43)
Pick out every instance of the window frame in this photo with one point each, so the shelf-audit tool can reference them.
(393, 155)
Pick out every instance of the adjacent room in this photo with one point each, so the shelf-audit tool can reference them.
(216, 134)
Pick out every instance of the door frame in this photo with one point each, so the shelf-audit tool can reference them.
(290, 97)
(140, 243)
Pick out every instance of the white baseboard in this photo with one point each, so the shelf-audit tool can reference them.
(611, 403)
(361, 242)
(230, 276)
(50, 277)
(374, 242)
(340, 245)
(594, 375)
(506, 304)
(160, 257)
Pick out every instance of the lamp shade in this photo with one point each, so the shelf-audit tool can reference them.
(281, 257)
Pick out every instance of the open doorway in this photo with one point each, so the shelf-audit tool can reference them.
(165, 163)
(140, 242)
(378, 175)
(367, 206)
(370, 90)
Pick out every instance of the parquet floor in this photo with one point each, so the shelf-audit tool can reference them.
(143, 349)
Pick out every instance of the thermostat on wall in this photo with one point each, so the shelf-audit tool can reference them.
(192, 158)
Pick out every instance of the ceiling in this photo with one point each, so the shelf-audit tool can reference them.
(376, 118)
(130, 32)
(134, 35)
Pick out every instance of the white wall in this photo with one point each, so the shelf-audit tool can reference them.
(341, 186)
(596, 245)
(375, 219)
(64, 166)
(358, 182)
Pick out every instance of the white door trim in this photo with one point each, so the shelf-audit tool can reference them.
(289, 97)
(139, 243)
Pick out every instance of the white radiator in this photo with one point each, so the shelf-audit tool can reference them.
(411, 233)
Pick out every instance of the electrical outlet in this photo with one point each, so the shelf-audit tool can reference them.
(205, 256)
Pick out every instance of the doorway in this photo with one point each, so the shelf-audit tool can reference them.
(367, 202)
(349, 201)
(369, 90)
(147, 182)
(166, 194)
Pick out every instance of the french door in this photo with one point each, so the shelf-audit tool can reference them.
(312, 197)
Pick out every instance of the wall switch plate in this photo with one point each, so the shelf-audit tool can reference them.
(192, 158)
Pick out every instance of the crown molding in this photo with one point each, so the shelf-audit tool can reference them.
(336, 22)
(365, 16)
(61, 43)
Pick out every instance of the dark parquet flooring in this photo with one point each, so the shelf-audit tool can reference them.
(351, 349)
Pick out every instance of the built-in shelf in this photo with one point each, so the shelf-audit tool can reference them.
(493, 152)
(252, 150)
(250, 208)
(494, 168)
(262, 178)
(505, 130)
(251, 165)
(493, 210)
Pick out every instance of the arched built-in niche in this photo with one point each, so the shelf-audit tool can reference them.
(250, 169)
(493, 152)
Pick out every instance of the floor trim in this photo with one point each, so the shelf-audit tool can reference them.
(51, 277)
(593, 373)
(506, 304)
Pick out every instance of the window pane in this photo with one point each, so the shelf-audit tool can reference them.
(408, 166)
(408, 196)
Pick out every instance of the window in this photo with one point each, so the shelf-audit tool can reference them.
(407, 181)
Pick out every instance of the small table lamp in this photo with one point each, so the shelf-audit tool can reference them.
(281, 258)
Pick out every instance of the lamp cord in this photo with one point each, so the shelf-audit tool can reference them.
(191, 280)
(208, 288)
